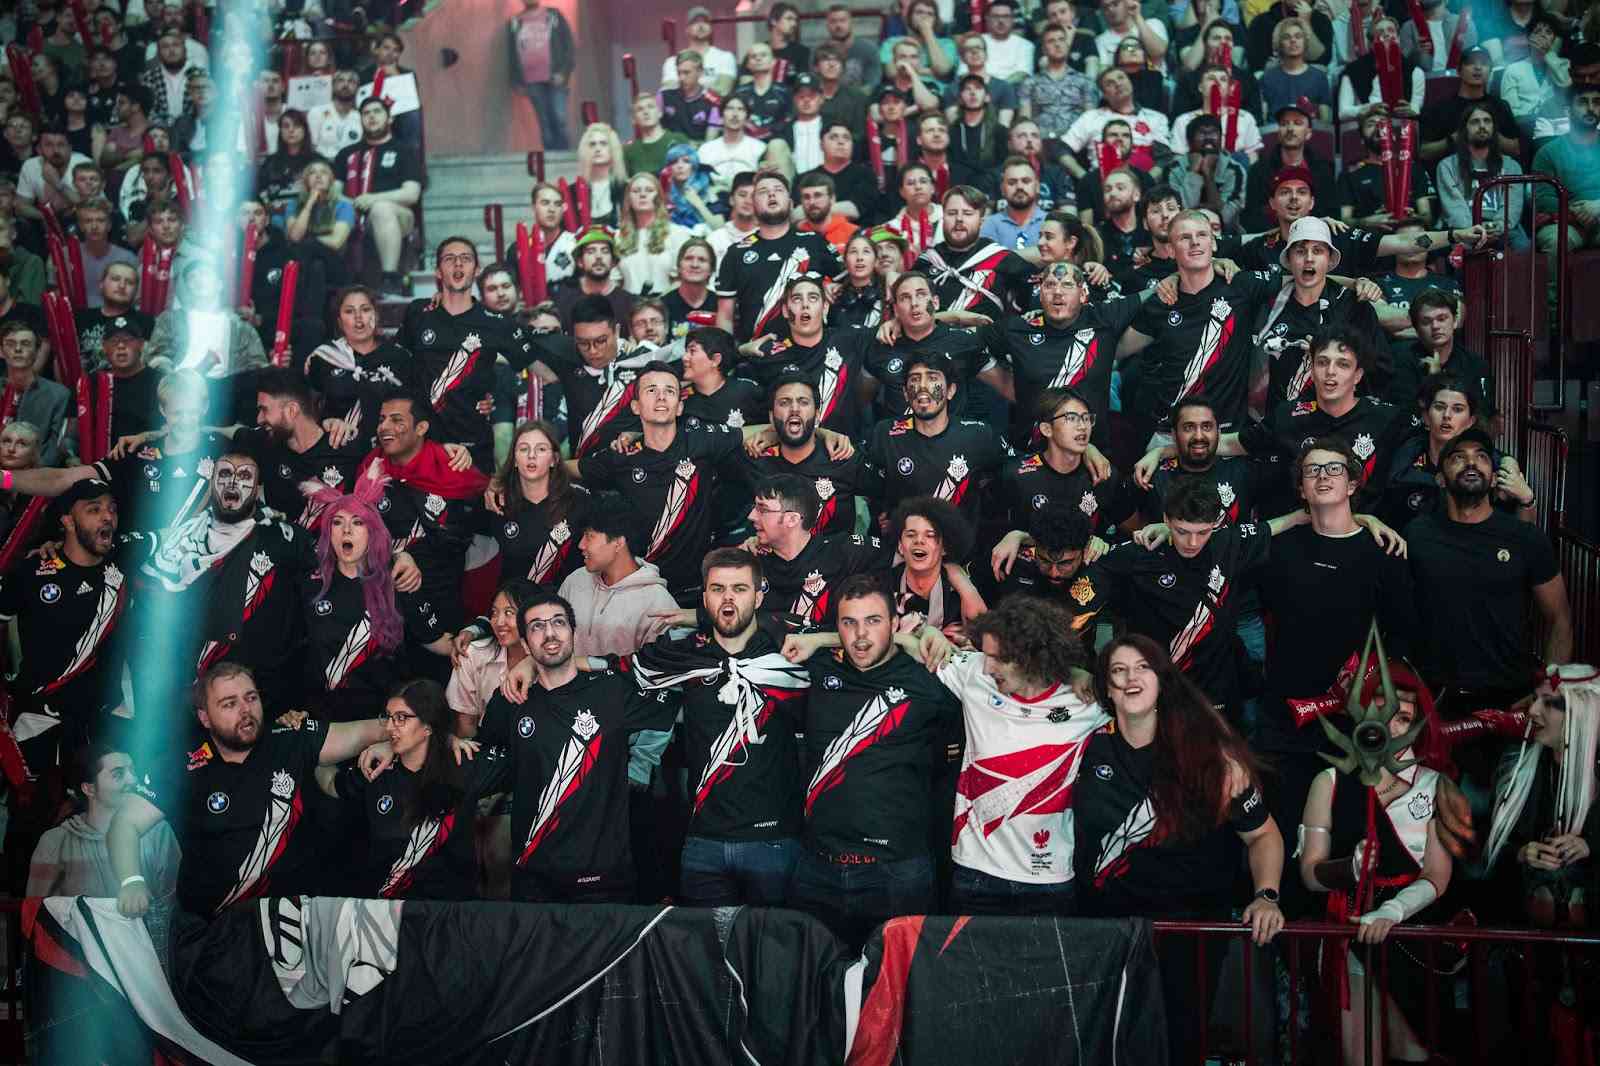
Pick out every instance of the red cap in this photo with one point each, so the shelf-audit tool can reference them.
(1291, 174)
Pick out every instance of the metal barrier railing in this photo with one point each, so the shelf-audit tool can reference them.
(669, 27)
(1544, 455)
(1580, 565)
(1256, 1038)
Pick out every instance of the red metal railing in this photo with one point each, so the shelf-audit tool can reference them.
(1298, 946)
(669, 27)
(495, 222)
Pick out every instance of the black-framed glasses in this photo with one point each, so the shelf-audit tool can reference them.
(399, 719)
(1074, 418)
(1332, 470)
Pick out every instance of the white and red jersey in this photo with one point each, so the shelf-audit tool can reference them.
(1013, 814)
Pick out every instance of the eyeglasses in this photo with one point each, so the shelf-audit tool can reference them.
(1332, 470)
(589, 344)
(1074, 418)
(774, 510)
(395, 719)
(558, 624)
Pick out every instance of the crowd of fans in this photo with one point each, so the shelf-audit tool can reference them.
(960, 469)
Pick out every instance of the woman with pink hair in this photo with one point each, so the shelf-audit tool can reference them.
(354, 629)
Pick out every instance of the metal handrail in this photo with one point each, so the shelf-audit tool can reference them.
(669, 27)
(1558, 336)
(1451, 933)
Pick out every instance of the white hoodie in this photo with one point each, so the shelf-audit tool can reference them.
(615, 619)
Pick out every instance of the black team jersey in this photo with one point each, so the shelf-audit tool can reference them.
(804, 587)
(1322, 593)
(284, 470)
(348, 677)
(68, 619)
(1079, 354)
(1371, 428)
(355, 393)
(1201, 344)
(436, 532)
(951, 465)
(1028, 485)
(598, 398)
(539, 541)
(1291, 327)
(738, 403)
(241, 824)
(1238, 480)
(870, 741)
(414, 857)
(835, 363)
(1357, 248)
(569, 752)
(155, 488)
(965, 347)
(838, 482)
(1188, 606)
(455, 357)
(741, 714)
(755, 271)
(1124, 865)
(982, 277)
(673, 489)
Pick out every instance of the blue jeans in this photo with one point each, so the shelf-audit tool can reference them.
(1252, 632)
(975, 892)
(550, 105)
(726, 873)
(851, 898)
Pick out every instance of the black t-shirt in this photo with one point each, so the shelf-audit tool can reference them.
(951, 465)
(68, 619)
(393, 164)
(796, 59)
(692, 118)
(681, 318)
(838, 482)
(283, 470)
(742, 786)
(1287, 342)
(754, 272)
(241, 825)
(569, 752)
(455, 357)
(348, 675)
(435, 531)
(966, 348)
(835, 363)
(1371, 428)
(1361, 187)
(1357, 248)
(855, 184)
(1029, 484)
(92, 323)
(1238, 481)
(598, 398)
(738, 403)
(674, 489)
(155, 489)
(1124, 865)
(804, 587)
(1440, 120)
(1201, 345)
(1322, 593)
(771, 112)
(538, 543)
(356, 393)
(870, 740)
(1120, 246)
(1188, 606)
(135, 407)
(983, 277)
(431, 857)
(1476, 580)
(1079, 354)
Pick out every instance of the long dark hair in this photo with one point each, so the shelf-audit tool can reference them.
(439, 781)
(1470, 177)
(1193, 747)
(560, 481)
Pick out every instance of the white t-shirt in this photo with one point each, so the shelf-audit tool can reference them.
(331, 131)
(1013, 814)
(653, 273)
(30, 178)
(1149, 127)
(1011, 58)
(726, 237)
(806, 139)
(728, 161)
(1107, 40)
(718, 64)
(1246, 139)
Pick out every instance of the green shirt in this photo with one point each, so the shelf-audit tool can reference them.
(1577, 166)
(643, 158)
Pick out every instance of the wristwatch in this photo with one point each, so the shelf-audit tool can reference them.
(1268, 894)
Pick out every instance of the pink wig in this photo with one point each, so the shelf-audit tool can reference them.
(377, 583)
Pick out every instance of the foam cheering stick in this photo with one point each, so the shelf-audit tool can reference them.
(22, 76)
(1386, 158)
(1458, 40)
(180, 182)
(100, 385)
(36, 40)
(155, 266)
(581, 191)
(977, 12)
(247, 266)
(80, 18)
(1389, 70)
(280, 338)
(569, 216)
(1110, 158)
(377, 83)
(1402, 168)
(875, 149)
(1420, 21)
(63, 330)
(525, 263)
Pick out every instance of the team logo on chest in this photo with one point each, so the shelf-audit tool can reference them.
(1363, 446)
(385, 803)
(284, 471)
(524, 727)
(323, 608)
(1420, 806)
(50, 593)
(511, 530)
(434, 505)
(1215, 580)
(905, 466)
(585, 725)
(217, 802)
(824, 489)
(260, 563)
(1166, 581)
(429, 336)
(330, 477)
(1088, 505)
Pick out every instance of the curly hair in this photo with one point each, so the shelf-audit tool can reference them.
(1035, 634)
(955, 532)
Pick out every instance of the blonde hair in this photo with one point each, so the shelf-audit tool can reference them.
(619, 165)
(1282, 28)
(628, 230)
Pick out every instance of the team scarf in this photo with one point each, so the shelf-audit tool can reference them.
(973, 275)
(749, 685)
(155, 276)
(429, 471)
(918, 230)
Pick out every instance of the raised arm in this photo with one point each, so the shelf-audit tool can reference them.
(136, 818)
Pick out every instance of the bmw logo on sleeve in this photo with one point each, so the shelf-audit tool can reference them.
(50, 593)
(905, 466)
(217, 802)
(385, 803)
(525, 727)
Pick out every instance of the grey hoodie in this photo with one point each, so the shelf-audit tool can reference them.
(615, 619)
(72, 860)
